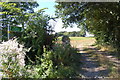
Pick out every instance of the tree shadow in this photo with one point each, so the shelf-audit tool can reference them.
(96, 74)
(90, 66)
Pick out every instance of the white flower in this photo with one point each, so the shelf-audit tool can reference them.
(12, 50)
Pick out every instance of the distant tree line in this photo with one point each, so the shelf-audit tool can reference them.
(72, 34)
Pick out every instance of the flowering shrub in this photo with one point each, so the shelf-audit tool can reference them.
(12, 56)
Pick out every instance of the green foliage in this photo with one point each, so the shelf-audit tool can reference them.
(15, 14)
(101, 19)
(35, 29)
(37, 34)
(65, 55)
(60, 63)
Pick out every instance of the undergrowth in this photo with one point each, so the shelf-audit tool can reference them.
(60, 62)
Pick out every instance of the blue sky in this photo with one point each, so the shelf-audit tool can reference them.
(50, 5)
(51, 11)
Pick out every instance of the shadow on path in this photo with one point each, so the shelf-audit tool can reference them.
(91, 68)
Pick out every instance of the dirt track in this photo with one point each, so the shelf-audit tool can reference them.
(91, 67)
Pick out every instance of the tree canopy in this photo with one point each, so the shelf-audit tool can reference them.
(102, 19)
(14, 14)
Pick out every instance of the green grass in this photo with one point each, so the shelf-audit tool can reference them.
(78, 38)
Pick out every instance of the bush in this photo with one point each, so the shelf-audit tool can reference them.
(62, 62)
(12, 56)
(37, 35)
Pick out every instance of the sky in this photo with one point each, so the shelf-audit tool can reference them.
(51, 11)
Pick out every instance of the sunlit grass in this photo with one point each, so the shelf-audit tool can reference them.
(81, 38)
(77, 38)
(79, 41)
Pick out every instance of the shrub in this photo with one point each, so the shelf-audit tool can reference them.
(36, 35)
(12, 56)
(62, 62)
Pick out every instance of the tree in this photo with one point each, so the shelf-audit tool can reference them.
(37, 35)
(102, 19)
(15, 13)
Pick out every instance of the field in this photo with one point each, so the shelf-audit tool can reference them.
(78, 38)
(80, 41)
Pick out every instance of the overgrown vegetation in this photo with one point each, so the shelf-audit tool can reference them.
(61, 62)
(45, 59)
(37, 35)
(36, 32)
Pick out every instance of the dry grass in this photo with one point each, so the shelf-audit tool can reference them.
(83, 42)
(79, 41)
(107, 48)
